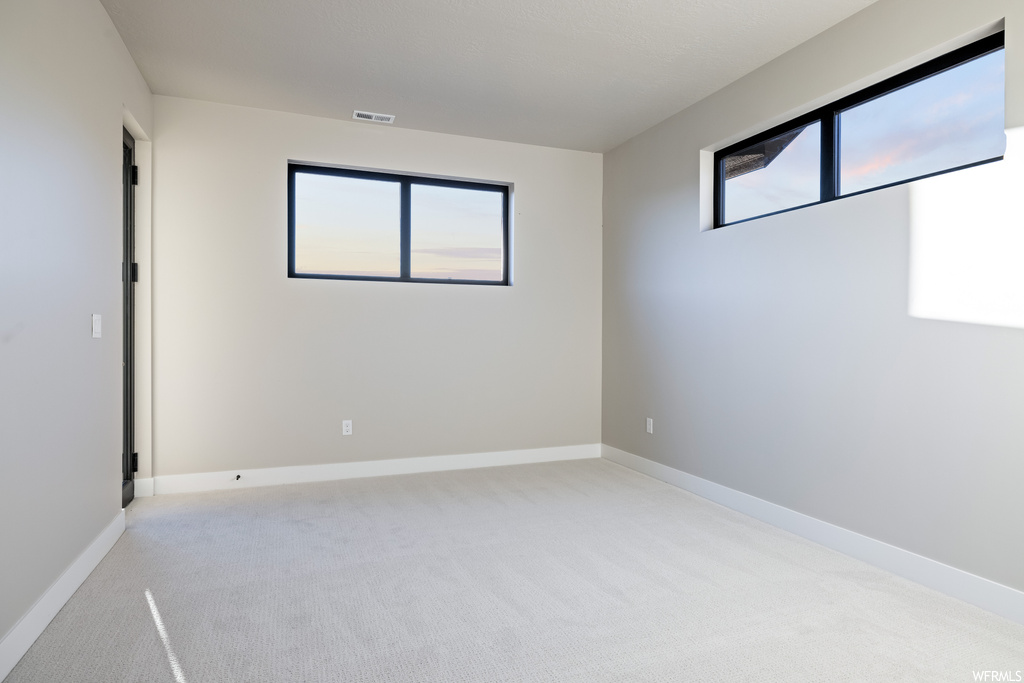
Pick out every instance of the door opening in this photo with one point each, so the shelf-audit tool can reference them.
(129, 276)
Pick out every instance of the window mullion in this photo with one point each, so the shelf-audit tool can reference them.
(829, 156)
(405, 240)
(718, 208)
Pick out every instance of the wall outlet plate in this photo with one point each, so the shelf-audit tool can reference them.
(346, 427)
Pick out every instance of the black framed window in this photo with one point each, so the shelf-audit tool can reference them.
(941, 116)
(349, 224)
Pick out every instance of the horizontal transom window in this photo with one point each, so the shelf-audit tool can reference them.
(942, 116)
(366, 225)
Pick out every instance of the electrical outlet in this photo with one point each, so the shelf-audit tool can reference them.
(346, 428)
(97, 325)
(650, 425)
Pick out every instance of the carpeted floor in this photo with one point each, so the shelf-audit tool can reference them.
(574, 571)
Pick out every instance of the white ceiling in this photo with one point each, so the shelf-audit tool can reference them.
(577, 74)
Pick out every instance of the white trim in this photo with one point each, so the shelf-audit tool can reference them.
(143, 487)
(988, 595)
(298, 474)
(20, 638)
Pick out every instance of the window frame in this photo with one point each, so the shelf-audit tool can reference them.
(828, 116)
(406, 181)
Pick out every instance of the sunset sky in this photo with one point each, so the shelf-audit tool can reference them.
(792, 179)
(351, 226)
(456, 233)
(947, 120)
(347, 226)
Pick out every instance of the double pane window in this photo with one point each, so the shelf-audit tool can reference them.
(364, 225)
(944, 115)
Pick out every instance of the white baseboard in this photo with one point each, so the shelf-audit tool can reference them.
(144, 487)
(20, 638)
(299, 474)
(989, 595)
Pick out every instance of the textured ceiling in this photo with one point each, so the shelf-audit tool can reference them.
(578, 74)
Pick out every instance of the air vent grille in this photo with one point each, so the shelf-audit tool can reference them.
(370, 116)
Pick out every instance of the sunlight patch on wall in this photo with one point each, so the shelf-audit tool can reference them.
(967, 242)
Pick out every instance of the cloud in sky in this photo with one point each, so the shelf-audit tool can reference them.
(484, 274)
(456, 233)
(460, 263)
(948, 120)
(485, 253)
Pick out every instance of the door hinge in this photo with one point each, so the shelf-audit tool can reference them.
(135, 462)
(135, 272)
(135, 175)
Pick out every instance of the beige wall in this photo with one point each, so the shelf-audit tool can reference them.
(65, 77)
(777, 356)
(252, 369)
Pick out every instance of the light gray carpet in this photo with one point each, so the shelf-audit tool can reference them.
(574, 571)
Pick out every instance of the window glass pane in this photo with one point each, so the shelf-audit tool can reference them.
(773, 175)
(347, 226)
(456, 233)
(948, 120)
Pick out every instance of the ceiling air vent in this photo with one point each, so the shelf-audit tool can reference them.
(370, 116)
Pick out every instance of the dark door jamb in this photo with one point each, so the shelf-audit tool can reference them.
(129, 276)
